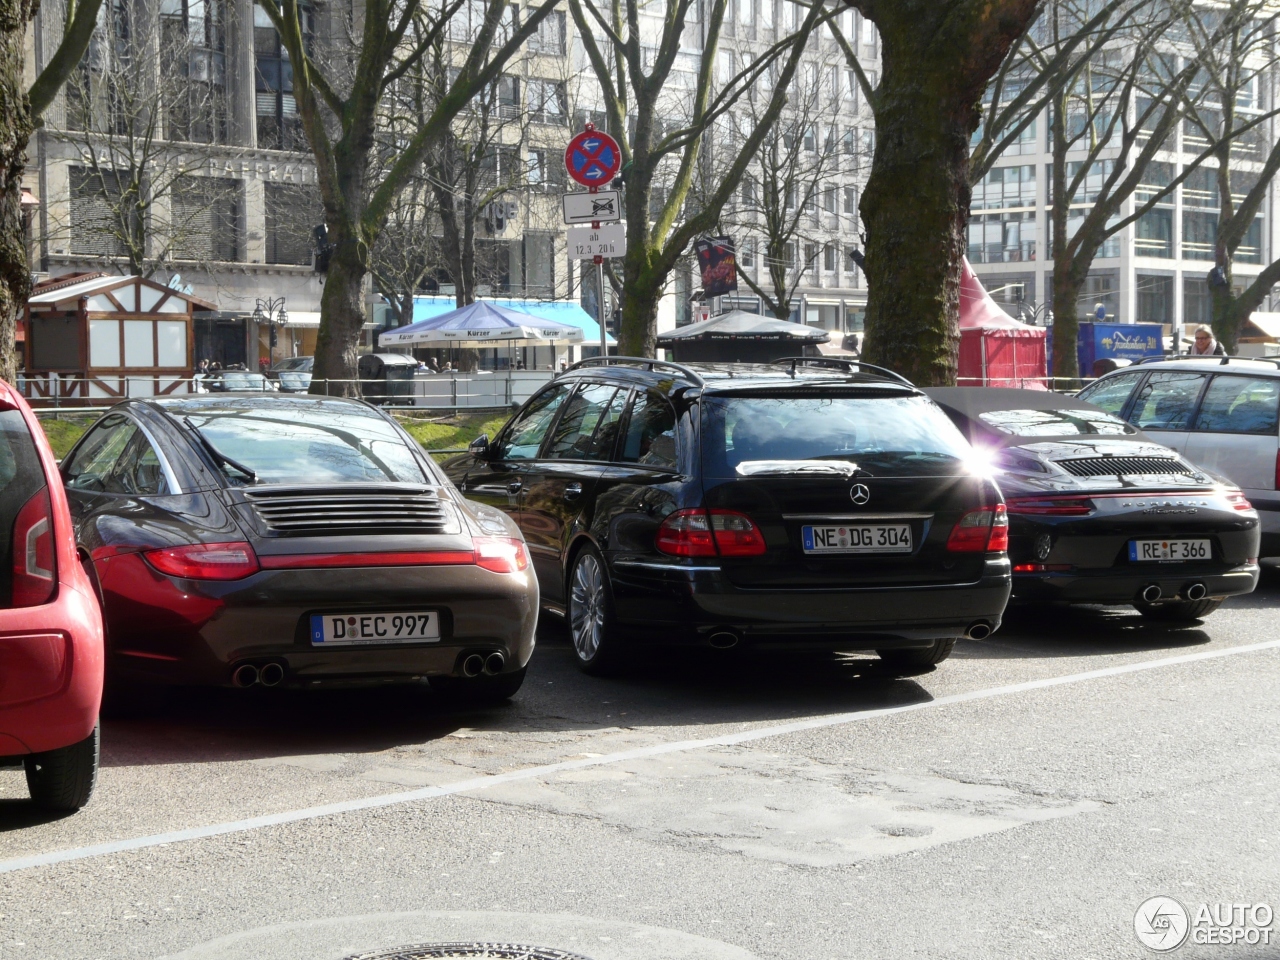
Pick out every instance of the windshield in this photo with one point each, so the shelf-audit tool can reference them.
(1056, 423)
(884, 436)
(309, 443)
(244, 381)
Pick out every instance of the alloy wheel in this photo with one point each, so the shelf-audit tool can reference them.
(586, 606)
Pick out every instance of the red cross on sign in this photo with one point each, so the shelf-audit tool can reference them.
(592, 158)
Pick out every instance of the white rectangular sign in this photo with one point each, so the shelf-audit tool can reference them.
(586, 243)
(602, 207)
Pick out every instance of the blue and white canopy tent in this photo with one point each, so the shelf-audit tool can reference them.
(481, 324)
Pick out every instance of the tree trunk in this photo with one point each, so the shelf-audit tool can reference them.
(343, 303)
(915, 208)
(1066, 324)
(643, 285)
(1066, 284)
(15, 130)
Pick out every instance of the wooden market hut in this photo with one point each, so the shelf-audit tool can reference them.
(91, 337)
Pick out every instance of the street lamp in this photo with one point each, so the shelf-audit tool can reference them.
(1036, 314)
(272, 312)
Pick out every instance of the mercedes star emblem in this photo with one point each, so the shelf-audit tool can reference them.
(859, 493)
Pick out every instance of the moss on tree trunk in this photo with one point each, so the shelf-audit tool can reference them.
(15, 131)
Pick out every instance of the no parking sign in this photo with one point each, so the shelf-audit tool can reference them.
(592, 158)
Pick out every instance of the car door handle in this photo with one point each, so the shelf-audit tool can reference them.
(515, 486)
(572, 491)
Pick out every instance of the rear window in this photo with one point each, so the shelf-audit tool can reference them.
(1056, 423)
(309, 443)
(21, 478)
(884, 436)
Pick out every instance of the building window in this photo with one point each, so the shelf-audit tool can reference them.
(829, 199)
(507, 97)
(547, 102)
(93, 96)
(747, 253)
(1005, 187)
(1002, 237)
(829, 253)
(206, 218)
(194, 61)
(1197, 304)
(293, 211)
(810, 255)
(101, 218)
(1155, 299)
(279, 125)
(546, 169)
(539, 265)
(1199, 234)
(1153, 233)
(550, 35)
(851, 201)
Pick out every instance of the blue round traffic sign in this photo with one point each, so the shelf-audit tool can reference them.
(592, 158)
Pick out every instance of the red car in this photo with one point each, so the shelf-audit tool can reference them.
(51, 656)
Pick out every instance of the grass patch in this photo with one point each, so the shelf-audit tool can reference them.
(63, 432)
(452, 432)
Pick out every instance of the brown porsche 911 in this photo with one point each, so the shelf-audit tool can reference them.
(293, 541)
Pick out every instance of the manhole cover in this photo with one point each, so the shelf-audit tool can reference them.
(448, 951)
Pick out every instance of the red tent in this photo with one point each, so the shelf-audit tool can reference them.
(995, 349)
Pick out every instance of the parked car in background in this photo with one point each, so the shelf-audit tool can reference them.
(818, 505)
(1099, 513)
(1221, 413)
(238, 381)
(294, 541)
(293, 375)
(51, 654)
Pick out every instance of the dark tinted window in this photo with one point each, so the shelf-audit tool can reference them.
(651, 432)
(523, 438)
(1167, 401)
(138, 471)
(589, 425)
(1110, 393)
(21, 478)
(1239, 405)
(93, 461)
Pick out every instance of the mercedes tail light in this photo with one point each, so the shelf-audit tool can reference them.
(1070, 506)
(709, 533)
(501, 554)
(34, 564)
(205, 561)
(985, 530)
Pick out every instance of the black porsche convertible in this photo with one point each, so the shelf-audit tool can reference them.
(1100, 513)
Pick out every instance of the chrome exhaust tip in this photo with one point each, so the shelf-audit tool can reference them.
(494, 663)
(1151, 594)
(245, 675)
(271, 674)
(1197, 591)
(473, 665)
(723, 640)
(979, 630)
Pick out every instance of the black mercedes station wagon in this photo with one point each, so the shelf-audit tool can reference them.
(797, 505)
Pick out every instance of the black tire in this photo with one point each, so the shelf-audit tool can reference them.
(921, 657)
(478, 691)
(589, 614)
(64, 779)
(1179, 611)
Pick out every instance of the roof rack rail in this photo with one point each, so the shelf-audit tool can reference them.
(1223, 359)
(648, 362)
(841, 362)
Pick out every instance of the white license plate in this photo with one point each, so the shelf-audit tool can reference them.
(342, 629)
(857, 538)
(1149, 550)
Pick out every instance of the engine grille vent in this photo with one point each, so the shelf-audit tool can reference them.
(312, 512)
(1124, 466)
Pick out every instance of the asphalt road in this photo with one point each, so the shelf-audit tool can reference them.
(1020, 801)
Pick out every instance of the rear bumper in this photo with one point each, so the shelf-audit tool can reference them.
(182, 631)
(1124, 586)
(660, 603)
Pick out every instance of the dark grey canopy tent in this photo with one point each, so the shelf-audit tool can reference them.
(742, 337)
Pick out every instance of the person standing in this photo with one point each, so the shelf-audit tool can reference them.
(1205, 344)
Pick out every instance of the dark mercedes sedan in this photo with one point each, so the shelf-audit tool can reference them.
(293, 541)
(1100, 513)
(800, 505)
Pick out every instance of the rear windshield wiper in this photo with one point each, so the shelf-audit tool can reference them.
(219, 457)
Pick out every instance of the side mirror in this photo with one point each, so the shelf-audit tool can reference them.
(479, 447)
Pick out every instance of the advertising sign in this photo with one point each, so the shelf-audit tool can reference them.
(1118, 341)
(718, 264)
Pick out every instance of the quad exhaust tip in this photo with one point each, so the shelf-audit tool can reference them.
(723, 639)
(271, 674)
(1196, 591)
(245, 675)
(494, 663)
(1152, 593)
(473, 665)
(978, 631)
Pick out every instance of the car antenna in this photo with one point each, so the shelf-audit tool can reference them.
(218, 456)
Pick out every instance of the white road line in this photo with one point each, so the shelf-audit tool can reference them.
(550, 769)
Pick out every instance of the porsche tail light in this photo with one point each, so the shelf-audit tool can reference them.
(1070, 506)
(34, 564)
(709, 533)
(205, 561)
(985, 530)
(1238, 500)
(501, 554)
